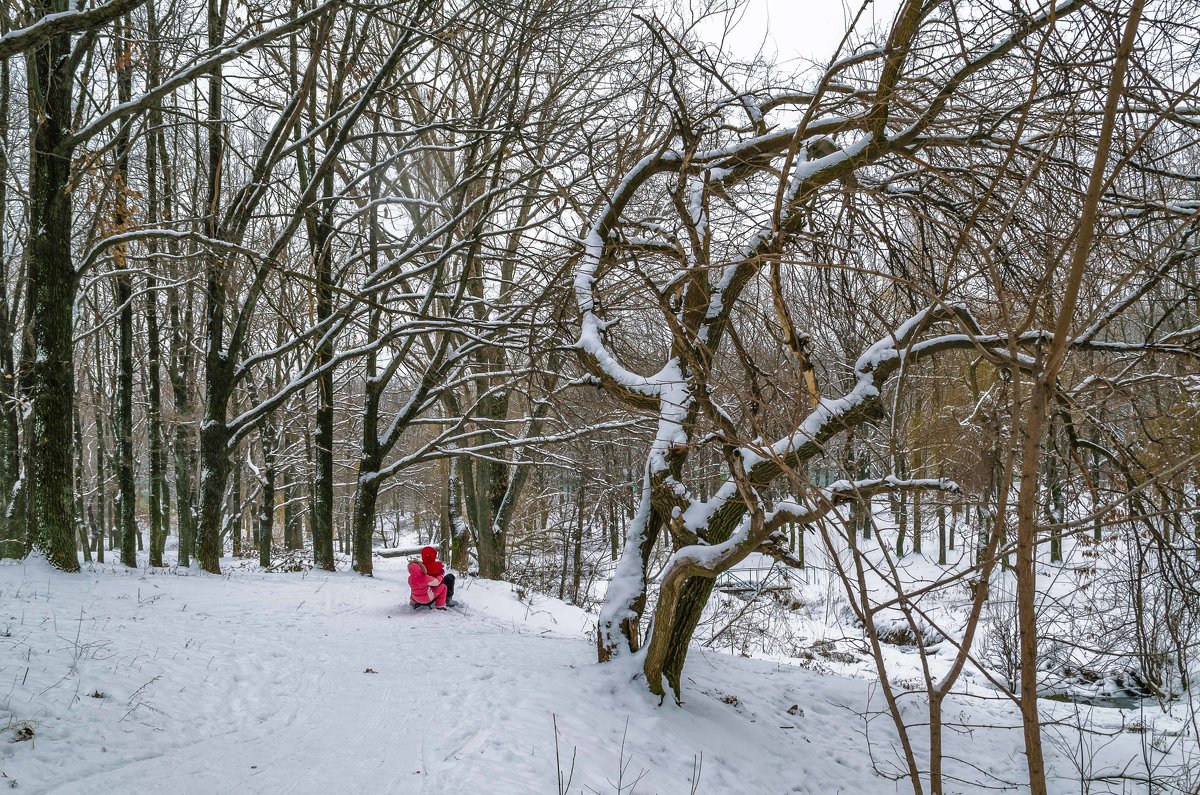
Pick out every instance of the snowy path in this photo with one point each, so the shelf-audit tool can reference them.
(257, 683)
(397, 730)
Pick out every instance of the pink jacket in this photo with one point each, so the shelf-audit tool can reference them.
(421, 583)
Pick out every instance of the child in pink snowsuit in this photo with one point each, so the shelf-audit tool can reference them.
(425, 587)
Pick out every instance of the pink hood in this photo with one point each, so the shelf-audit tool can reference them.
(421, 584)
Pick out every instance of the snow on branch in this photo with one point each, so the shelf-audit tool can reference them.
(185, 76)
(96, 252)
(727, 164)
(710, 559)
(1170, 263)
(764, 462)
(843, 491)
(62, 23)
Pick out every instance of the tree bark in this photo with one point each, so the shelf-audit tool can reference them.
(160, 498)
(366, 495)
(1046, 375)
(214, 458)
(52, 286)
(80, 508)
(233, 524)
(218, 369)
(123, 285)
(293, 525)
(577, 557)
(1055, 510)
(12, 532)
(460, 535)
(266, 513)
(1026, 593)
(323, 475)
(100, 533)
(916, 524)
(179, 372)
(941, 520)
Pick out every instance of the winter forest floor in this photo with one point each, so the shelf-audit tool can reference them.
(147, 681)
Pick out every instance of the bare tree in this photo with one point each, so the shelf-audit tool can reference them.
(738, 224)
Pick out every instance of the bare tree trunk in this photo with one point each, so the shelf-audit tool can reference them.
(366, 497)
(233, 511)
(214, 456)
(366, 494)
(293, 524)
(941, 519)
(565, 562)
(179, 372)
(577, 557)
(954, 514)
(52, 286)
(266, 513)
(614, 530)
(80, 508)
(160, 497)
(461, 543)
(445, 528)
(123, 283)
(101, 477)
(900, 508)
(218, 369)
(916, 523)
(12, 533)
(1046, 376)
(323, 476)
(1026, 594)
(1055, 510)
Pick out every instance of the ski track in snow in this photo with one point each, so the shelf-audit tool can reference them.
(256, 683)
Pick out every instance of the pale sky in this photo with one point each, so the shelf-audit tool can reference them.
(806, 29)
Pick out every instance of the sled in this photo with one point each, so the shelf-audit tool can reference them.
(431, 605)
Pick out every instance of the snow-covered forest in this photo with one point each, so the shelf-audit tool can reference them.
(790, 426)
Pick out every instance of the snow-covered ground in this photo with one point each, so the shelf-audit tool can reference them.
(169, 680)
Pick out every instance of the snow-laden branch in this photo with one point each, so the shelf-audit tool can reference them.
(591, 326)
(801, 511)
(96, 252)
(746, 156)
(62, 23)
(843, 491)
(189, 74)
(1170, 263)
(765, 462)
(725, 164)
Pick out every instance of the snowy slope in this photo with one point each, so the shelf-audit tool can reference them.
(172, 681)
